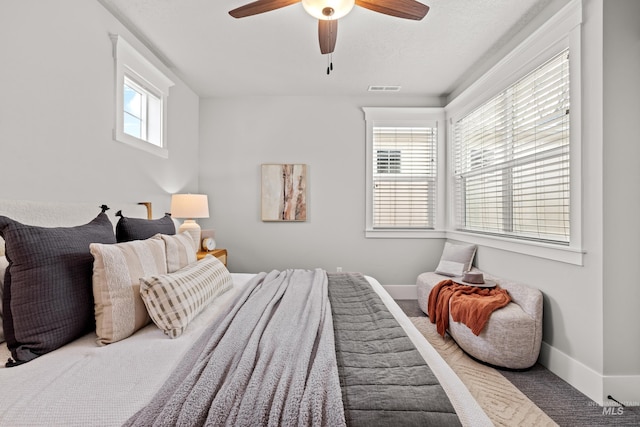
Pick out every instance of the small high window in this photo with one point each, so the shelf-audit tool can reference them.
(141, 100)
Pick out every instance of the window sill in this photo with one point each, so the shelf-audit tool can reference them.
(404, 234)
(565, 254)
(143, 145)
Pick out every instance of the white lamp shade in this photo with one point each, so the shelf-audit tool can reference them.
(189, 206)
(339, 8)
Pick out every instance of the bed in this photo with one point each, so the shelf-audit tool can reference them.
(83, 383)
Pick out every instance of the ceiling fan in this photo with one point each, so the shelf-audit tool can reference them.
(329, 11)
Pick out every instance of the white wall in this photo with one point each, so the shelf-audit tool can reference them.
(56, 112)
(328, 134)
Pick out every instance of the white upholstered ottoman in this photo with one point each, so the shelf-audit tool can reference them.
(512, 336)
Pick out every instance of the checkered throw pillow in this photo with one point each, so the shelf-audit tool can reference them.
(175, 299)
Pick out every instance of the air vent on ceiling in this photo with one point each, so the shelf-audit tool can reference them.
(384, 88)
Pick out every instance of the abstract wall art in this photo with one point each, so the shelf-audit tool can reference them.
(284, 192)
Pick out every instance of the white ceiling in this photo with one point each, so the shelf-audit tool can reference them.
(277, 53)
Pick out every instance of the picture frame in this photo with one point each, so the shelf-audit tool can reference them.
(284, 192)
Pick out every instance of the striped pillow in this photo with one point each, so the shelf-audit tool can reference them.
(117, 270)
(173, 300)
(180, 250)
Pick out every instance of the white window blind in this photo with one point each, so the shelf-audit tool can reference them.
(511, 159)
(404, 177)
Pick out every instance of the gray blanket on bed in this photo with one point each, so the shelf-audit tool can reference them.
(274, 365)
(385, 381)
(272, 360)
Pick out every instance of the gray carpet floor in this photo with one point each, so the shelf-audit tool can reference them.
(559, 400)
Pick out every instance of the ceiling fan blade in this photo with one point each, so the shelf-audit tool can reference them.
(260, 6)
(327, 34)
(408, 9)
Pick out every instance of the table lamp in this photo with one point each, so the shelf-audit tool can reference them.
(190, 206)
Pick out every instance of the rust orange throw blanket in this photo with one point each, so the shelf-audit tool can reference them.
(470, 305)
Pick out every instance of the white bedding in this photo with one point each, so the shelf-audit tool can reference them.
(83, 384)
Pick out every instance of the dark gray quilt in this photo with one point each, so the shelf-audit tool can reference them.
(384, 380)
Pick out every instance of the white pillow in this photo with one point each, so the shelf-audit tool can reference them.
(180, 250)
(456, 259)
(117, 270)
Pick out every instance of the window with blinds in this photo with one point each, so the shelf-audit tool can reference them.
(404, 177)
(511, 159)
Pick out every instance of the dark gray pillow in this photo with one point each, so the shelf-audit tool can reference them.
(48, 296)
(128, 229)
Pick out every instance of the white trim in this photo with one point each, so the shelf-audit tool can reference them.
(575, 138)
(550, 251)
(441, 178)
(128, 61)
(404, 234)
(580, 376)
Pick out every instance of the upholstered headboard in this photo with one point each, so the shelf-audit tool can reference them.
(66, 214)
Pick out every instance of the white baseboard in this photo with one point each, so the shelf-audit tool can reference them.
(597, 387)
(580, 376)
(402, 291)
(625, 389)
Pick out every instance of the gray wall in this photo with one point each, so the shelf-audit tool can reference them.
(326, 133)
(584, 312)
(621, 182)
(56, 118)
(57, 109)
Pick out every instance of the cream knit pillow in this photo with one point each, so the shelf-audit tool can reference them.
(117, 270)
(180, 250)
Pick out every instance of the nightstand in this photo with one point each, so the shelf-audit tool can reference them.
(221, 254)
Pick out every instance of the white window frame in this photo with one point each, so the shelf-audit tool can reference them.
(131, 64)
(405, 117)
(560, 32)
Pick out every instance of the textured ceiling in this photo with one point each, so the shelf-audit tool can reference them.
(277, 53)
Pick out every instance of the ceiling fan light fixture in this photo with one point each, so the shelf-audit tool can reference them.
(328, 9)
